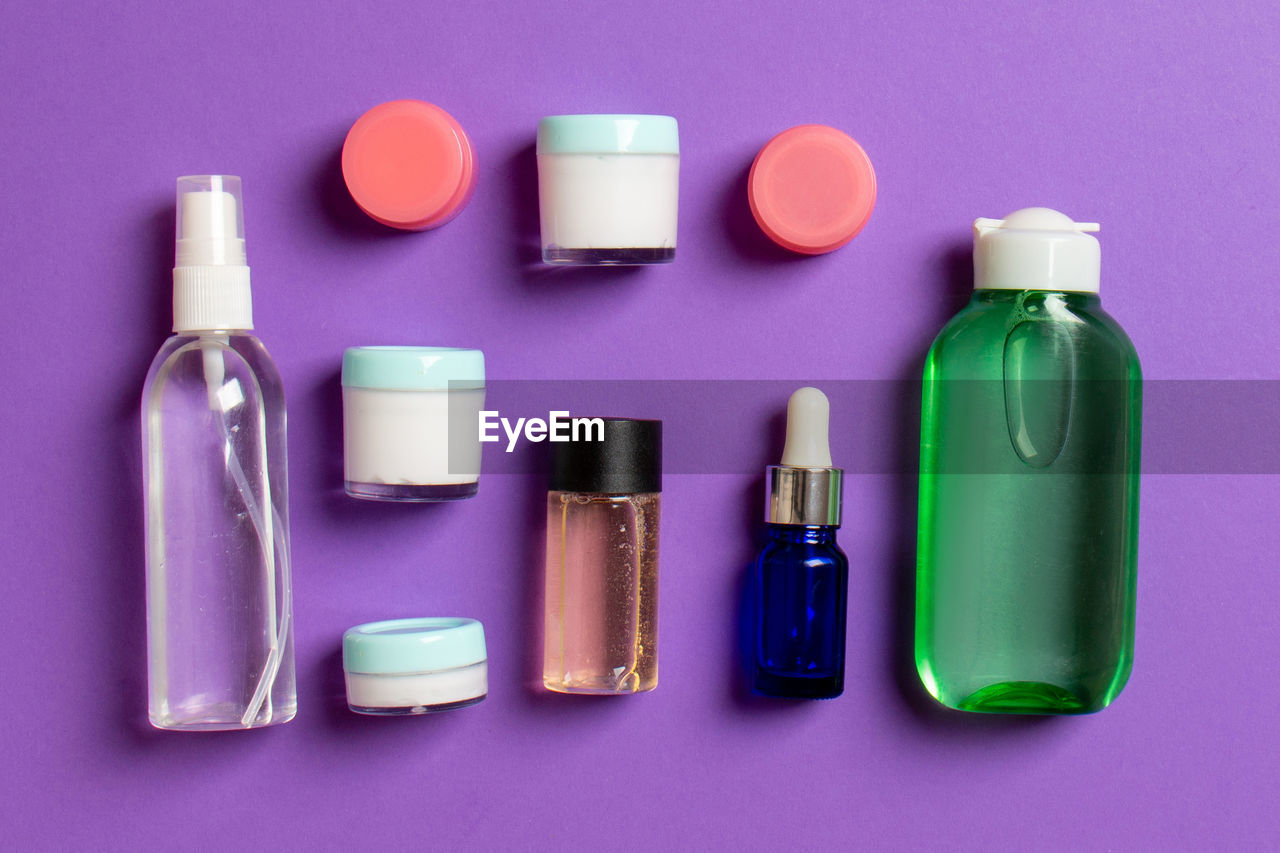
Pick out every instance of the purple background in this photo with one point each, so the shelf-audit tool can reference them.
(1160, 123)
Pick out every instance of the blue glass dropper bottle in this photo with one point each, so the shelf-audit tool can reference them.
(801, 578)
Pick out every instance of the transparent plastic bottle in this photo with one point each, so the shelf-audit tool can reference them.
(219, 602)
(1029, 482)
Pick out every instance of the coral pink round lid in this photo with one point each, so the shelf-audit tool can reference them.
(409, 164)
(812, 189)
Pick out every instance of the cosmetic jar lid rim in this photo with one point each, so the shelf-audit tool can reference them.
(424, 673)
(413, 646)
(608, 133)
(413, 368)
(432, 146)
(785, 174)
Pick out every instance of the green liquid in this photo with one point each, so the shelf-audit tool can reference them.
(1027, 548)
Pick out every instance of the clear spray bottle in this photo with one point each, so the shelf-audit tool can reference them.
(219, 602)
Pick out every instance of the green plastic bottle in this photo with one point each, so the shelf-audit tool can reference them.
(1029, 457)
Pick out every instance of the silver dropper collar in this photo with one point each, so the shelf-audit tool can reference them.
(804, 496)
(805, 489)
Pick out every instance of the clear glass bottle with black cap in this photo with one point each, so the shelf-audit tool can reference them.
(602, 559)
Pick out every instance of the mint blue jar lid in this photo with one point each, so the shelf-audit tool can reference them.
(406, 646)
(412, 368)
(608, 134)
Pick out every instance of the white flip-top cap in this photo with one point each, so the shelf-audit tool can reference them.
(1035, 248)
(210, 275)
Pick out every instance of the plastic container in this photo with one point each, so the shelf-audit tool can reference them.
(811, 189)
(415, 666)
(1028, 525)
(410, 422)
(608, 187)
(603, 509)
(219, 592)
(409, 164)
(801, 578)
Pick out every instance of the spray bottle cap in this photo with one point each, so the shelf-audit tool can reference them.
(805, 489)
(1035, 249)
(210, 276)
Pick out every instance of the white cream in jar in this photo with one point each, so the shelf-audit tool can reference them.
(410, 419)
(608, 189)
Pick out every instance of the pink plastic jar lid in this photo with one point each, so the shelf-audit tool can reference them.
(812, 189)
(409, 164)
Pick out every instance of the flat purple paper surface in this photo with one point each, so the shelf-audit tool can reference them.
(1161, 123)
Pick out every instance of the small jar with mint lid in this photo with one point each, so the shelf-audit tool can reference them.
(607, 189)
(415, 666)
(410, 422)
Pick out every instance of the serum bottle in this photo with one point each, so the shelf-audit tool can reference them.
(219, 608)
(601, 626)
(801, 578)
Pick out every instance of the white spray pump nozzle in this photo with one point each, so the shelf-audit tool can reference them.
(210, 274)
(808, 418)
(210, 222)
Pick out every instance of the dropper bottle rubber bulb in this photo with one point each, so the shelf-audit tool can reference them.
(801, 577)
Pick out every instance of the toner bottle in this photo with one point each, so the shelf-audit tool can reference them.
(1028, 524)
(219, 606)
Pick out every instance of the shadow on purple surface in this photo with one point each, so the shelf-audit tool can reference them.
(522, 177)
(325, 416)
(123, 596)
(531, 566)
(744, 234)
(343, 216)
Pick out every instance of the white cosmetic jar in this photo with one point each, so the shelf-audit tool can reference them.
(608, 187)
(410, 420)
(415, 666)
